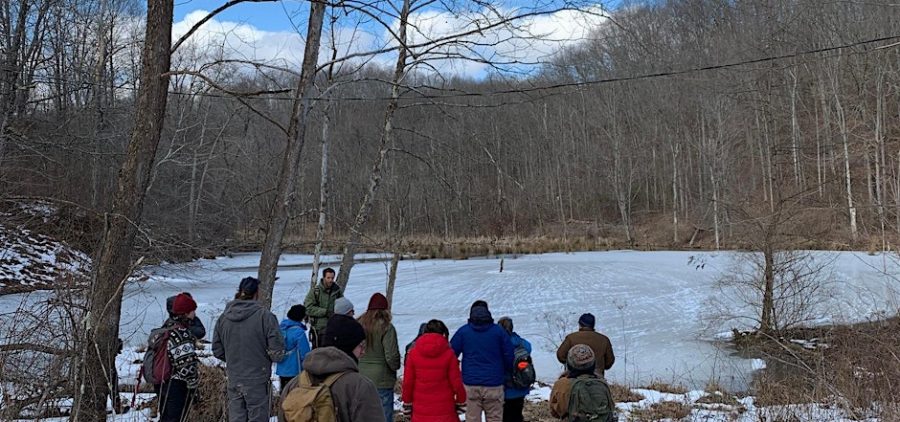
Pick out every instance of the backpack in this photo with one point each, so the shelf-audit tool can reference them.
(590, 400)
(311, 401)
(156, 367)
(523, 374)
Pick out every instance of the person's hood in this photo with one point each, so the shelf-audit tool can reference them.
(288, 323)
(324, 361)
(480, 318)
(432, 345)
(239, 310)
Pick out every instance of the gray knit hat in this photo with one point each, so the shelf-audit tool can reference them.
(580, 357)
(342, 306)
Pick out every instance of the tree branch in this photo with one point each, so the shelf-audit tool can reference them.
(212, 14)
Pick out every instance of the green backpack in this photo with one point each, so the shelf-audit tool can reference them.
(590, 400)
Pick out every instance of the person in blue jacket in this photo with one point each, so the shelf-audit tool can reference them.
(295, 343)
(487, 353)
(514, 398)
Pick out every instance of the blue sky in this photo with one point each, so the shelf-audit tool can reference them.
(265, 32)
(268, 16)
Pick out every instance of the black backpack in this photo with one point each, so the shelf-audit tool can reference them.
(523, 374)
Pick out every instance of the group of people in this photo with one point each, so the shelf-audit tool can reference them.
(322, 345)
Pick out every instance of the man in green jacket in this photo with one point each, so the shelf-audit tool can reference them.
(319, 305)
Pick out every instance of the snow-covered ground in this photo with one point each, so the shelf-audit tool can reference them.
(650, 304)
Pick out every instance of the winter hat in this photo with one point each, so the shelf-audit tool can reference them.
(171, 300)
(587, 320)
(297, 313)
(183, 305)
(344, 333)
(249, 285)
(580, 357)
(479, 303)
(378, 301)
(343, 306)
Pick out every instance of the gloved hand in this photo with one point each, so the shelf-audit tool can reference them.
(461, 408)
(407, 409)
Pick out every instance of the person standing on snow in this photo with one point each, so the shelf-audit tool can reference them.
(320, 305)
(579, 394)
(487, 353)
(175, 394)
(599, 343)
(382, 358)
(355, 396)
(196, 327)
(247, 339)
(296, 345)
(433, 390)
(513, 398)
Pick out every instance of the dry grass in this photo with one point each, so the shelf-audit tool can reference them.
(665, 410)
(664, 387)
(213, 403)
(718, 398)
(538, 412)
(623, 394)
(858, 370)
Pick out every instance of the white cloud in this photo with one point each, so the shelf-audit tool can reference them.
(532, 40)
(527, 41)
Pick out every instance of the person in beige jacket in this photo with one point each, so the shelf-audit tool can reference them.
(599, 343)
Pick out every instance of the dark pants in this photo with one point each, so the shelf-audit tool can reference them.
(285, 381)
(512, 410)
(174, 401)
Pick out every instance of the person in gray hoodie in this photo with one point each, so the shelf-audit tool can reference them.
(247, 338)
(355, 396)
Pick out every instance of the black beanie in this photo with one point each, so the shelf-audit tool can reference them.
(344, 333)
(297, 313)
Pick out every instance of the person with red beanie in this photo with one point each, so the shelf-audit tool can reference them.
(382, 358)
(433, 390)
(176, 393)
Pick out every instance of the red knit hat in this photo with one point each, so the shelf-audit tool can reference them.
(183, 305)
(378, 301)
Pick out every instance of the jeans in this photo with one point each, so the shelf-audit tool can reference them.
(249, 402)
(387, 402)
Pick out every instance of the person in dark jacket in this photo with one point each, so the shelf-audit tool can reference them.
(410, 345)
(295, 343)
(320, 305)
(513, 398)
(355, 396)
(197, 328)
(175, 394)
(433, 390)
(248, 340)
(487, 353)
(599, 343)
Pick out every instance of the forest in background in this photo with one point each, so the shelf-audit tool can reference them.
(636, 136)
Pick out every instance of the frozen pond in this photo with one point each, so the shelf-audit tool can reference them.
(651, 304)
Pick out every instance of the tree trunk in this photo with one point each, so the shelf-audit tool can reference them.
(290, 165)
(97, 370)
(768, 303)
(392, 278)
(387, 133)
(323, 197)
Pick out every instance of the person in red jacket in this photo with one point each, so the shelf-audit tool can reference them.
(433, 390)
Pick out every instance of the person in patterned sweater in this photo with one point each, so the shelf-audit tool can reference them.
(176, 392)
